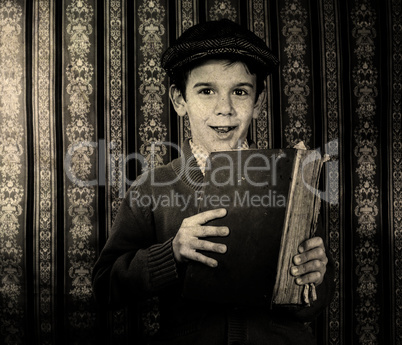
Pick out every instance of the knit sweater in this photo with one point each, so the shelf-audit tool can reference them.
(138, 262)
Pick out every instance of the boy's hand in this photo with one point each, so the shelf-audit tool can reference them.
(187, 240)
(311, 262)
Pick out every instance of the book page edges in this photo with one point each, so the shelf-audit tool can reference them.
(300, 223)
(280, 276)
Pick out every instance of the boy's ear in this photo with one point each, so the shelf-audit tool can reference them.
(178, 100)
(259, 103)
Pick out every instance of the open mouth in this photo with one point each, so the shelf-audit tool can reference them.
(223, 129)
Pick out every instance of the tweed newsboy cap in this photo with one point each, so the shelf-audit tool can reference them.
(215, 39)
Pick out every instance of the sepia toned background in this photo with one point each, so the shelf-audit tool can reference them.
(82, 90)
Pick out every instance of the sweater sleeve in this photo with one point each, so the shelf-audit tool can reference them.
(132, 265)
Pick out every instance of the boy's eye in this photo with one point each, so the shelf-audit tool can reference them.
(206, 91)
(240, 92)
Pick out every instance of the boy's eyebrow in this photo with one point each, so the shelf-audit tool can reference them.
(203, 84)
(245, 84)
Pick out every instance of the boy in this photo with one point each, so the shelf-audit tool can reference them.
(217, 71)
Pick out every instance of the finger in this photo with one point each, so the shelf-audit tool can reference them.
(313, 277)
(311, 266)
(209, 246)
(311, 243)
(205, 231)
(205, 217)
(313, 254)
(196, 256)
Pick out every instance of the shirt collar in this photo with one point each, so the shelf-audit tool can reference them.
(201, 154)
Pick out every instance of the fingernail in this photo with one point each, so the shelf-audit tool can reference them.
(297, 260)
(225, 231)
(301, 249)
(294, 270)
(298, 281)
(222, 249)
(214, 264)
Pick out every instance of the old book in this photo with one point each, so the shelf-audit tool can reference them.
(300, 224)
(272, 208)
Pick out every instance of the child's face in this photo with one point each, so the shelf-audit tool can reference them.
(220, 102)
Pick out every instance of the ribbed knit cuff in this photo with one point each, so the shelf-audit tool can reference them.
(162, 266)
(237, 327)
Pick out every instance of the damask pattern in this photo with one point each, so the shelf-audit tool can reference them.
(261, 128)
(79, 167)
(12, 170)
(396, 163)
(116, 131)
(116, 138)
(187, 12)
(333, 139)
(116, 103)
(187, 17)
(295, 73)
(223, 9)
(45, 169)
(152, 131)
(366, 191)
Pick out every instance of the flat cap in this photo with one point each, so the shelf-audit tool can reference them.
(216, 39)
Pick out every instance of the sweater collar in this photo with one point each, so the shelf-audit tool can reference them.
(201, 154)
(188, 169)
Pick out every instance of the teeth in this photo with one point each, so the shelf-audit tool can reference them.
(222, 129)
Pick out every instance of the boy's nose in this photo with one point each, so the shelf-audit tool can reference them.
(224, 106)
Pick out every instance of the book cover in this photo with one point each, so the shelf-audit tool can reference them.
(271, 210)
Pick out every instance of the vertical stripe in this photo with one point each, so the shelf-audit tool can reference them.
(152, 116)
(186, 17)
(365, 170)
(187, 14)
(261, 129)
(332, 114)
(395, 165)
(296, 83)
(151, 85)
(45, 170)
(115, 104)
(219, 9)
(116, 131)
(13, 172)
(80, 165)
